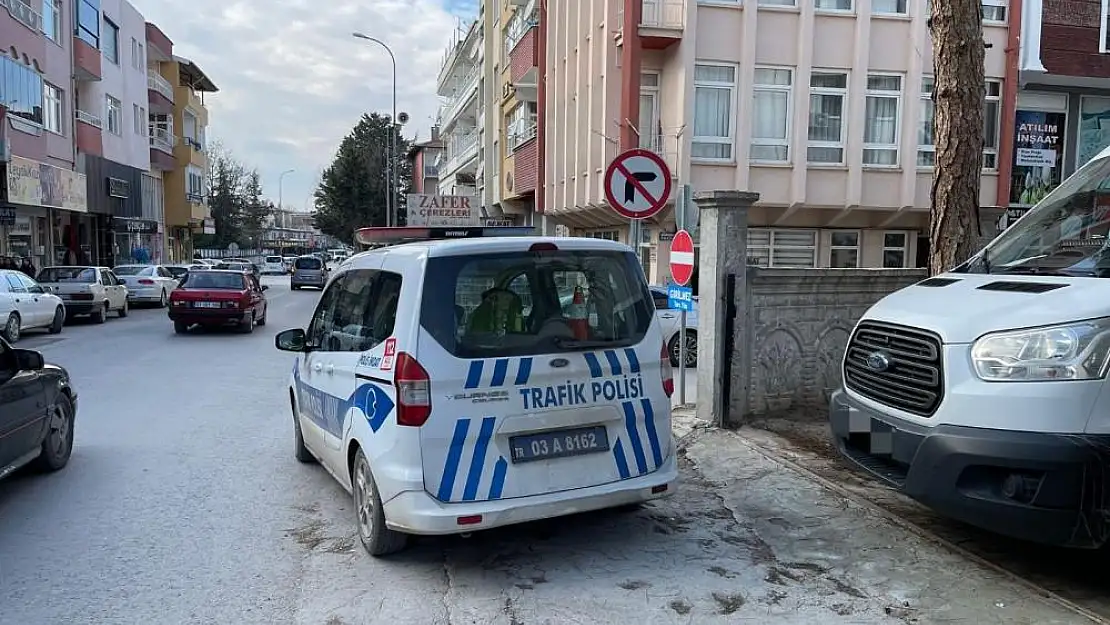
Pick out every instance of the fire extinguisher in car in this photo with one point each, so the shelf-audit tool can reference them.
(578, 316)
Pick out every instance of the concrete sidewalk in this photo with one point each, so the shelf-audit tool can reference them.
(819, 548)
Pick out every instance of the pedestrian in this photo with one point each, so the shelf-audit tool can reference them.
(28, 267)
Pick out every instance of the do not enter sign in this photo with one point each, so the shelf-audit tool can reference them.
(682, 257)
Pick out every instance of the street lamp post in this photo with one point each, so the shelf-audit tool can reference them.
(281, 179)
(392, 185)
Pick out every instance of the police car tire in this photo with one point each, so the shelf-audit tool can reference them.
(382, 541)
(299, 450)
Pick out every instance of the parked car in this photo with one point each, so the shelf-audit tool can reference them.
(669, 318)
(310, 270)
(148, 284)
(178, 271)
(218, 297)
(288, 262)
(246, 266)
(37, 408)
(92, 291)
(26, 305)
(211, 262)
(273, 265)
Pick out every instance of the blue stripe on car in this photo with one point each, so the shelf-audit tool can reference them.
(454, 454)
(478, 460)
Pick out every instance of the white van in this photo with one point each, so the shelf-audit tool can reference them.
(982, 392)
(273, 265)
(445, 385)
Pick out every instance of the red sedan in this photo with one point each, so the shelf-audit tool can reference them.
(217, 297)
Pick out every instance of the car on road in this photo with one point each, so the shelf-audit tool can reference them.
(26, 305)
(37, 409)
(147, 284)
(179, 270)
(273, 265)
(502, 407)
(218, 297)
(288, 262)
(309, 270)
(236, 265)
(86, 290)
(211, 262)
(671, 321)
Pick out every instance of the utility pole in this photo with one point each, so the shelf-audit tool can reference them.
(392, 180)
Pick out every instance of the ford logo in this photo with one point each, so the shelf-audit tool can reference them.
(559, 363)
(878, 361)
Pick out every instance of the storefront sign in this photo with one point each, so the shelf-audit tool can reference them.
(37, 184)
(490, 222)
(119, 188)
(1038, 155)
(135, 226)
(21, 227)
(7, 216)
(442, 211)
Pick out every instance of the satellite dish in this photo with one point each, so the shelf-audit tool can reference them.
(403, 117)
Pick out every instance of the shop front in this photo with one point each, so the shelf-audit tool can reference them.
(136, 240)
(115, 195)
(43, 212)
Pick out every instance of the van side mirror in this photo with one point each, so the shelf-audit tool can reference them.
(28, 360)
(290, 340)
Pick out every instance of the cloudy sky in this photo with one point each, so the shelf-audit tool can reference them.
(293, 81)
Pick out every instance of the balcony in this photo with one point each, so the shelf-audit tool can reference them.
(189, 150)
(661, 23)
(461, 98)
(526, 162)
(523, 59)
(462, 152)
(521, 131)
(158, 46)
(24, 14)
(198, 210)
(89, 133)
(159, 92)
(86, 61)
(162, 143)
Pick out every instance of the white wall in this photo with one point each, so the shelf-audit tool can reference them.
(126, 81)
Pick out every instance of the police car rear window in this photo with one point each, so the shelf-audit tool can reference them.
(524, 303)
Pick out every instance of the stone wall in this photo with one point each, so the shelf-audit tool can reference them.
(798, 322)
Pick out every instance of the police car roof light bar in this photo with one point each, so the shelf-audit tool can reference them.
(400, 234)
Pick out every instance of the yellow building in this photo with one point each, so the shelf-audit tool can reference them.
(518, 108)
(185, 177)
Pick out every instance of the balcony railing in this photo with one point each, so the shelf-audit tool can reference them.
(431, 171)
(155, 82)
(456, 102)
(89, 119)
(163, 139)
(193, 143)
(519, 24)
(22, 12)
(459, 147)
(194, 198)
(521, 131)
(659, 14)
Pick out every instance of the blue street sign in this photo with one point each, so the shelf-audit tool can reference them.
(680, 297)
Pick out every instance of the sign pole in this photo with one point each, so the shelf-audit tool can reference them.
(681, 297)
(682, 358)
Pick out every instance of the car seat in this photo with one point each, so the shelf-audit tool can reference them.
(501, 311)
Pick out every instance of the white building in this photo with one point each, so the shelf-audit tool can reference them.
(459, 86)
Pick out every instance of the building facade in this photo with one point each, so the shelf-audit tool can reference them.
(518, 116)
(460, 87)
(424, 156)
(824, 107)
(42, 199)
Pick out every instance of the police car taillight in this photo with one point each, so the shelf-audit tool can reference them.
(666, 371)
(414, 391)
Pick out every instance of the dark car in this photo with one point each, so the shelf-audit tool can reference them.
(218, 297)
(241, 266)
(309, 270)
(37, 409)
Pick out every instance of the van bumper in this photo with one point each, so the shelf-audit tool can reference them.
(1041, 487)
(417, 512)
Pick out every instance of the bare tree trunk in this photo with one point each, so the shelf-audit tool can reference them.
(957, 30)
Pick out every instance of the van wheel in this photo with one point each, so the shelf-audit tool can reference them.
(378, 539)
(299, 450)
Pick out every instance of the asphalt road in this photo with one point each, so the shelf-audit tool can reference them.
(183, 503)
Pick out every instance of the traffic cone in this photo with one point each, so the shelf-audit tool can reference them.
(578, 316)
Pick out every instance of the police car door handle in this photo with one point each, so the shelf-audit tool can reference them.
(330, 369)
(667, 315)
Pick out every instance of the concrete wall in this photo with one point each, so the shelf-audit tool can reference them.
(799, 322)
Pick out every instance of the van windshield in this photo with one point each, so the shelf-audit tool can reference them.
(1066, 234)
(273, 260)
(308, 262)
(524, 303)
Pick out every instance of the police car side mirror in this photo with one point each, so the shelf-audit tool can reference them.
(290, 340)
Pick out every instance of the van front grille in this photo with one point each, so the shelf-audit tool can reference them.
(895, 365)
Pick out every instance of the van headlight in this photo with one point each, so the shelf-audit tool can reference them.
(1075, 351)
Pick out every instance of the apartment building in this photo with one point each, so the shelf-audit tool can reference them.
(460, 88)
(519, 110)
(186, 183)
(1061, 112)
(824, 107)
(42, 199)
(424, 155)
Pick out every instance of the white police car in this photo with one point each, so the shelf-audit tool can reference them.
(447, 387)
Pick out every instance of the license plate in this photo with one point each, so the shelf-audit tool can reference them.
(206, 304)
(559, 444)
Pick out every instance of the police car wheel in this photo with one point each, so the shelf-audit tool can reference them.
(299, 450)
(378, 539)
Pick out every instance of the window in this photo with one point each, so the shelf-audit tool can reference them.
(357, 313)
(895, 250)
(15, 285)
(992, 110)
(88, 22)
(880, 130)
(926, 148)
(21, 90)
(608, 235)
(510, 304)
(115, 115)
(782, 248)
(994, 11)
(52, 19)
(214, 280)
(889, 7)
(194, 191)
(141, 121)
(777, 3)
(832, 5)
(52, 108)
(521, 124)
(828, 93)
(844, 249)
(771, 114)
(137, 59)
(714, 86)
(110, 43)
